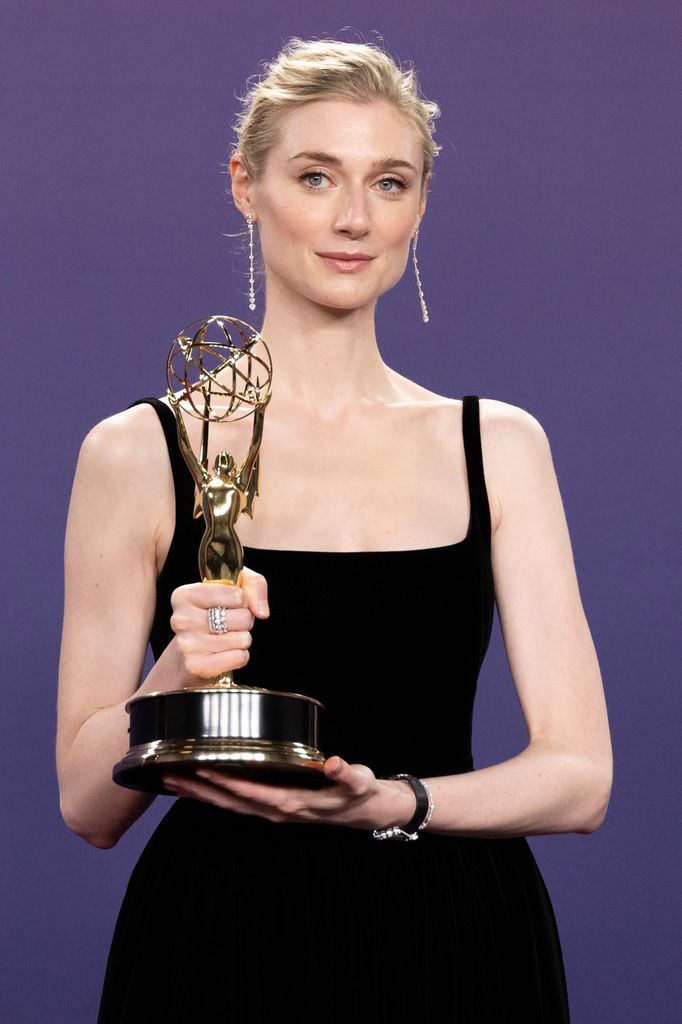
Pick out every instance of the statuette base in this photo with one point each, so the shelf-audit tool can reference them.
(267, 735)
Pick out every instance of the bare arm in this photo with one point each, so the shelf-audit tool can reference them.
(122, 497)
(110, 575)
(561, 782)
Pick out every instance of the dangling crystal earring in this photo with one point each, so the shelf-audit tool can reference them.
(425, 312)
(252, 294)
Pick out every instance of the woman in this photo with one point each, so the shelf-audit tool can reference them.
(390, 520)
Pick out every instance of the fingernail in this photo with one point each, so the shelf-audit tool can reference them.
(263, 608)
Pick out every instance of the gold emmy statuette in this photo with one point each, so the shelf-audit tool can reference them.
(266, 734)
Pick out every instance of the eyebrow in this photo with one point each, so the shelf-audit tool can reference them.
(327, 158)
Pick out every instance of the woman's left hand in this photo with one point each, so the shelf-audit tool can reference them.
(358, 799)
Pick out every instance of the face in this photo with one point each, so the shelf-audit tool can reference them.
(356, 190)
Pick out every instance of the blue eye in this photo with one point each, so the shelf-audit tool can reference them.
(311, 174)
(395, 181)
(320, 174)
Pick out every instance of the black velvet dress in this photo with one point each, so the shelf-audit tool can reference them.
(233, 918)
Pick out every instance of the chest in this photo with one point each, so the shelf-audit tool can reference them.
(370, 493)
(393, 483)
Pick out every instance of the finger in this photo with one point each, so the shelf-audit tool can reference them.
(276, 802)
(255, 588)
(203, 595)
(188, 786)
(246, 796)
(287, 803)
(236, 619)
(208, 666)
(355, 777)
(266, 793)
(220, 592)
(192, 619)
(205, 643)
(208, 595)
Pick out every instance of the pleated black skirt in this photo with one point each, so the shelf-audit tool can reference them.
(235, 918)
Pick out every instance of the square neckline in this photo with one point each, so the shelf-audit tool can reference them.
(474, 469)
(373, 551)
(434, 549)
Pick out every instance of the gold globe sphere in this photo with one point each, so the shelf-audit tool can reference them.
(219, 365)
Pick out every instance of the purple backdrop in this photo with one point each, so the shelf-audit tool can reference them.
(547, 257)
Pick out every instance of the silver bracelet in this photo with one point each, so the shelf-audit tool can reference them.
(421, 817)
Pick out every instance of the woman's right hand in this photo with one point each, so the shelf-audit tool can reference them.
(204, 654)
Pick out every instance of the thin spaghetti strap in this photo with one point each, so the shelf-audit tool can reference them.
(478, 494)
(182, 480)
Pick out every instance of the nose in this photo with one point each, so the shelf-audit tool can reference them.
(352, 216)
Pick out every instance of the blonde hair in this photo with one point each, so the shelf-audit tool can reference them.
(306, 71)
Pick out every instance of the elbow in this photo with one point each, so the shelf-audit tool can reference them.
(98, 840)
(598, 807)
(592, 823)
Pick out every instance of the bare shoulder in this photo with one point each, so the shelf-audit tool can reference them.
(123, 467)
(516, 453)
(503, 423)
(131, 438)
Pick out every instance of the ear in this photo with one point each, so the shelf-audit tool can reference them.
(242, 185)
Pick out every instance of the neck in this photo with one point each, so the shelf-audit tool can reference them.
(324, 360)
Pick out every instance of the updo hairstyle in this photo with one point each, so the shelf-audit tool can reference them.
(306, 71)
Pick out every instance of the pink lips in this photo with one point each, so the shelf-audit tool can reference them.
(349, 262)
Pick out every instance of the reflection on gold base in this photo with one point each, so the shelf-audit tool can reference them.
(263, 760)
